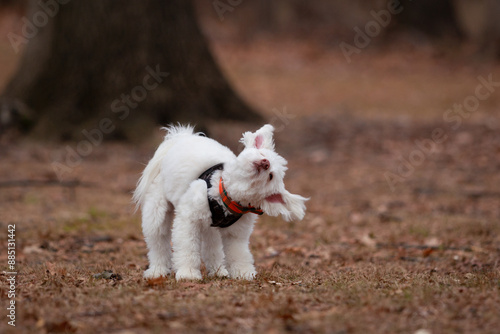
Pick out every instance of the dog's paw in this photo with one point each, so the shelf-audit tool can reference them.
(219, 272)
(247, 273)
(188, 274)
(156, 271)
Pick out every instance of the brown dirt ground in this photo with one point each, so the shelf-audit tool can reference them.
(366, 258)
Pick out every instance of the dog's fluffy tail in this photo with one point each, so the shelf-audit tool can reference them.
(153, 167)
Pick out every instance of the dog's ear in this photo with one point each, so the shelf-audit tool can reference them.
(290, 206)
(262, 138)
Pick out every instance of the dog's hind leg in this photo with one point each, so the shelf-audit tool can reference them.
(235, 239)
(191, 219)
(157, 214)
(213, 253)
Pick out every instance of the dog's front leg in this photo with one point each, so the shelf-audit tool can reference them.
(212, 252)
(192, 214)
(235, 239)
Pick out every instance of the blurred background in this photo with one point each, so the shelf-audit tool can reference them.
(68, 63)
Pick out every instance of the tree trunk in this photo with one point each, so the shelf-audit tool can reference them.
(434, 19)
(118, 66)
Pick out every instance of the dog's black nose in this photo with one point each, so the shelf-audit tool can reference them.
(265, 164)
(262, 165)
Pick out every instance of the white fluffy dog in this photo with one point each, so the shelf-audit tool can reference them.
(198, 194)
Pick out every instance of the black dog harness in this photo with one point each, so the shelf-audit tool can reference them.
(219, 218)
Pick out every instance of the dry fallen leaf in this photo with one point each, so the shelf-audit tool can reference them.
(155, 282)
(108, 274)
(428, 251)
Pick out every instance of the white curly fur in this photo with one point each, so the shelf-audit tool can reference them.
(170, 184)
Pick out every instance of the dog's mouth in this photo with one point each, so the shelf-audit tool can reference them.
(275, 198)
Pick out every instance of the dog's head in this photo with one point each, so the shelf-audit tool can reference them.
(256, 177)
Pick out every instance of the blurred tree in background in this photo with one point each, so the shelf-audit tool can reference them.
(119, 66)
(330, 22)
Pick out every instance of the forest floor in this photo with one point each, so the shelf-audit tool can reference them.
(402, 231)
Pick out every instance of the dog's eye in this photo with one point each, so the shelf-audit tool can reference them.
(270, 176)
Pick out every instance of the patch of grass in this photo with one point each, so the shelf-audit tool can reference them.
(419, 230)
(96, 214)
(31, 199)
